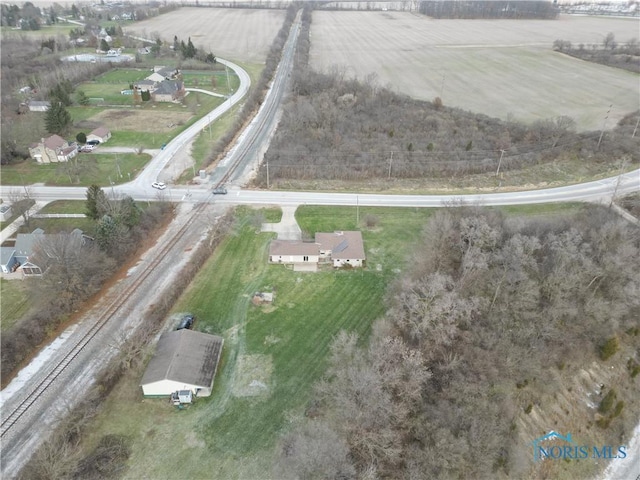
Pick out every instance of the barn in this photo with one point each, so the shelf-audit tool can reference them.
(184, 360)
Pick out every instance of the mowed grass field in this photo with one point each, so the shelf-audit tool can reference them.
(233, 34)
(495, 67)
(284, 346)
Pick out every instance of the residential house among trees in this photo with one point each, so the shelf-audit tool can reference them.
(52, 149)
(339, 248)
(168, 91)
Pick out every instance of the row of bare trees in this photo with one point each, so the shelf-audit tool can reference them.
(493, 317)
(337, 127)
(609, 52)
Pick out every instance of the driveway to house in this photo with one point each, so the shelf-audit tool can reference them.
(288, 228)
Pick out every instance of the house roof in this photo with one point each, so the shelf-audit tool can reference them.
(343, 245)
(100, 132)
(185, 356)
(26, 241)
(292, 247)
(167, 87)
(166, 72)
(155, 77)
(6, 254)
(54, 142)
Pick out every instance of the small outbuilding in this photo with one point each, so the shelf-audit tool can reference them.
(184, 360)
(101, 134)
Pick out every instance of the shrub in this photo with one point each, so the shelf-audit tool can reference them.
(609, 348)
(618, 410)
(607, 402)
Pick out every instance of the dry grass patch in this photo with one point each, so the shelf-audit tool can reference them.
(151, 121)
(252, 376)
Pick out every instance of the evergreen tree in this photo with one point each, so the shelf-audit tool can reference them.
(95, 198)
(191, 50)
(81, 138)
(104, 46)
(82, 98)
(57, 119)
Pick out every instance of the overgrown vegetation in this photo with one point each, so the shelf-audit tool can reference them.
(609, 52)
(334, 127)
(472, 342)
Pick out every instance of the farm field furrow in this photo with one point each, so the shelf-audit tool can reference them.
(234, 34)
(498, 68)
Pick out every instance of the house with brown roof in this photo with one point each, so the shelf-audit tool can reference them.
(100, 134)
(52, 149)
(184, 360)
(339, 248)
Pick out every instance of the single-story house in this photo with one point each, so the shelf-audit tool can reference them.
(291, 251)
(39, 106)
(184, 360)
(167, 73)
(101, 134)
(168, 91)
(52, 149)
(340, 248)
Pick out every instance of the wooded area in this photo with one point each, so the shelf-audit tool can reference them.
(493, 320)
(336, 127)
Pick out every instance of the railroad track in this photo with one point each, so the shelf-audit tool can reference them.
(241, 153)
(39, 390)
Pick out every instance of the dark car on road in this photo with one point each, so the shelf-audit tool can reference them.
(219, 191)
(186, 322)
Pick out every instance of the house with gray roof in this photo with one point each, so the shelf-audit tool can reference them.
(168, 91)
(184, 360)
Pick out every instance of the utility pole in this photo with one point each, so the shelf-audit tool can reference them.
(500, 161)
(636, 129)
(390, 162)
(267, 174)
(603, 124)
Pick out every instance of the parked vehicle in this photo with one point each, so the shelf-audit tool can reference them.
(93, 142)
(186, 322)
(219, 191)
(87, 148)
(159, 185)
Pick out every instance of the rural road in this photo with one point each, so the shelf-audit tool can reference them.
(16, 452)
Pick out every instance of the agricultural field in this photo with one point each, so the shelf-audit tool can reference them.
(500, 68)
(229, 33)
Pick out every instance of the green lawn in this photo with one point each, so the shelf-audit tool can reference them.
(234, 436)
(14, 302)
(123, 76)
(97, 168)
(65, 206)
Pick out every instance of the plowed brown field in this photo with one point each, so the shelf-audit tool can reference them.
(495, 67)
(230, 33)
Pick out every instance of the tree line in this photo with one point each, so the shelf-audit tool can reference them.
(523, 9)
(337, 127)
(492, 319)
(75, 268)
(609, 52)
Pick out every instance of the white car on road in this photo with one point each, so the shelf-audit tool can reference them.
(159, 185)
